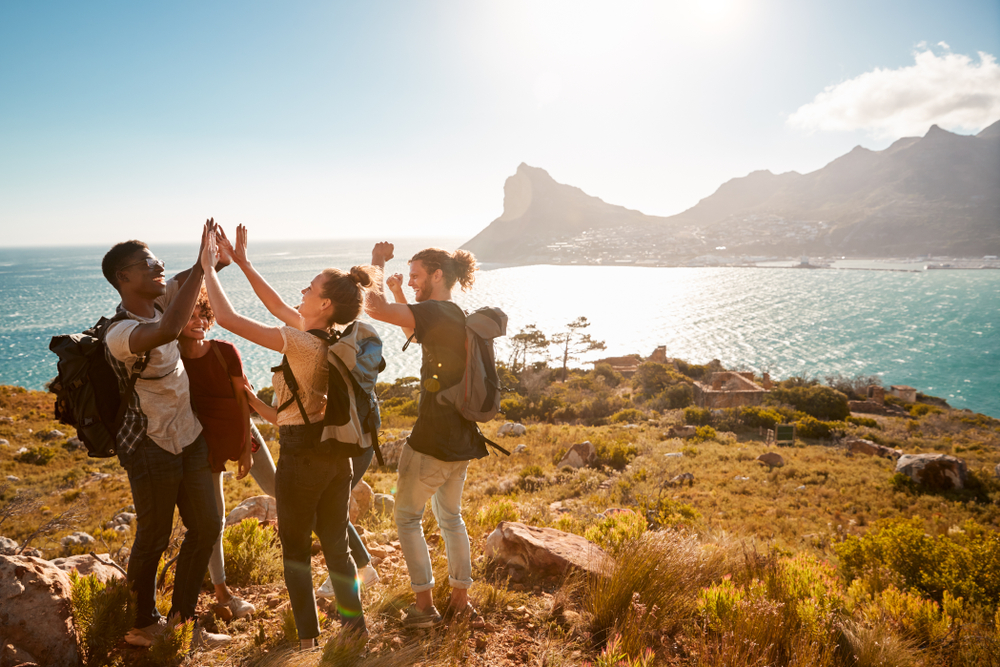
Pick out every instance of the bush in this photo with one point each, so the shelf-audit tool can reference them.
(676, 397)
(616, 455)
(497, 510)
(808, 427)
(38, 456)
(252, 554)
(921, 409)
(266, 395)
(613, 531)
(756, 416)
(627, 416)
(697, 416)
(652, 378)
(102, 613)
(514, 407)
(965, 564)
(704, 434)
(816, 401)
(612, 378)
(663, 512)
(863, 421)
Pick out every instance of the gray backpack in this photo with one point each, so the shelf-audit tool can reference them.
(477, 396)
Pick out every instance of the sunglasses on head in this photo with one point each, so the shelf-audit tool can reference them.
(149, 262)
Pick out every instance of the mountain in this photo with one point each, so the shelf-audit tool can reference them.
(937, 194)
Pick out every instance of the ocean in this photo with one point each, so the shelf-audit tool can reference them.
(933, 330)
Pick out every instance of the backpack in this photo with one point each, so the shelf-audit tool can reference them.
(352, 412)
(88, 396)
(477, 396)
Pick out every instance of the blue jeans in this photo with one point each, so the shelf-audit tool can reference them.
(314, 493)
(359, 464)
(161, 481)
(423, 477)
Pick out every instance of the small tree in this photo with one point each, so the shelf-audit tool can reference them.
(574, 342)
(529, 341)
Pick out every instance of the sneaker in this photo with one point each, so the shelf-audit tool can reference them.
(204, 640)
(427, 618)
(368, 576)
(144, 636)
(240, 607)
(326, 589)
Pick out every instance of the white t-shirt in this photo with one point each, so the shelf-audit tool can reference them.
(164, 395)
(307, 357)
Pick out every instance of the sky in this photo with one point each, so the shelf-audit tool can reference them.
(403, 119)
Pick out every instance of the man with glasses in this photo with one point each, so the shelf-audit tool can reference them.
(159, 441)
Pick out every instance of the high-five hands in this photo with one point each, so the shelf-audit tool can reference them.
(382, 253)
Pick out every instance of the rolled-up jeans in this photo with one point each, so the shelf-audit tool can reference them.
(313, 486)
(160, 481)
(423, 477)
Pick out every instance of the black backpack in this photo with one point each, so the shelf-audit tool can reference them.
(88, 396)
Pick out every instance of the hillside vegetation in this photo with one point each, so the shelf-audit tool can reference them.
(830, 559)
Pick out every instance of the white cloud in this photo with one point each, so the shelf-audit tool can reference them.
(950, 90)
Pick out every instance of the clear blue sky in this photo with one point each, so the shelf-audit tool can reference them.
(323, 119)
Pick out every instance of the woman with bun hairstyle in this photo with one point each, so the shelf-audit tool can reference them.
(312, 483)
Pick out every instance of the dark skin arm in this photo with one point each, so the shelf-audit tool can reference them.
(145, 337)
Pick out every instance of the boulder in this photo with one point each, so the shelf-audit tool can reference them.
(512, 429)
(86, 565)
(362, 498)
(11, 656)
(77, 539)
(520, 449)
(75, 443)
(52, 435)
(13, 478)
(262, 508)
(677, 480)
(869, 448)
(544, 550)
(7, 546)
(771, 459)
(4, 442)
(383, 503)
(682, 432)
(35, 612)
(6, 420)
(392, 450)
(579, 455)
(674, 455)
(936, 472)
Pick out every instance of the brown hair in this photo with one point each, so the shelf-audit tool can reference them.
(459, 266)
(347, 291)
(203, 307)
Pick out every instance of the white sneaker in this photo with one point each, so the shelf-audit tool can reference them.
(368, 576)
(204, 640)
(326, 589)
(240, 607)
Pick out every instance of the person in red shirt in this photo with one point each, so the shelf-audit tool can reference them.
(215, 372)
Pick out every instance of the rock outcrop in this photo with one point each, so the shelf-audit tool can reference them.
(35, 613)
(544, 550)
(936, 472)
(362, 498)
(512, 429)
(771, 459)
(86, 565)
(579, 455)
(262, 508)
(392, 450)
(869, 448)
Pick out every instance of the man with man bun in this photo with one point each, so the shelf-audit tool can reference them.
(435, 459)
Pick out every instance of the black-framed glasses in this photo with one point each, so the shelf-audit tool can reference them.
(150, 262)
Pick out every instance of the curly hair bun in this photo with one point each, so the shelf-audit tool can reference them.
(360, 276)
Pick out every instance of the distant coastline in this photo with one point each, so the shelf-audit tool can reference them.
(906, 265)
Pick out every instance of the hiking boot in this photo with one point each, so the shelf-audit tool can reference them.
(203, 640)
(144, 636)
(240, 607)
(368, 576)
(427, 618)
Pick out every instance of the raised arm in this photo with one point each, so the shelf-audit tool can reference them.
(226, 316)
(145, 337)
(376, 305)
(394, 283)
(271, 299)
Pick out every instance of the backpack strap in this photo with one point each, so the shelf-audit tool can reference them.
(493, 444)
(137, 368)
(291, 382)
(370, 421)
(222, 360)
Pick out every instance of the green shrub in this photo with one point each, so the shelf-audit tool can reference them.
(627, 416)
(38, 456)
(921, 409)
(664, 512)
(253, 555)
(172, 646)
(613, 531)
(612, 378)
(756, 416)
(704, 434)
(697, 416)
(863, 421)
(651, 378)
(615, 455)
(400, 405)
(809, 427)
(816, 401)
(514, 407)
(102, 613)
(531, 471)
(266, 395)
(676, 397)
(965, 563)
(497, 510)
(697, 372)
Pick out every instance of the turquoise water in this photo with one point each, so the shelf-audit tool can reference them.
(935, 330)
